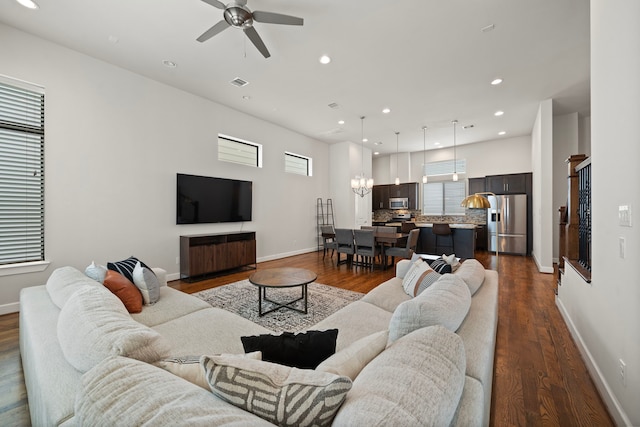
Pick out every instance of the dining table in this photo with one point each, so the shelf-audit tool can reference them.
(383, 240)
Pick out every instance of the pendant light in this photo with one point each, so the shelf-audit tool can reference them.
(424, 151)
(397, 171)
(455, 171)
(360, 185)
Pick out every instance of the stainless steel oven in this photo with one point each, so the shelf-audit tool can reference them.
(399, 203)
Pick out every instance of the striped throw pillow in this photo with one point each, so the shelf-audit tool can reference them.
(126, 266)
(441, 266)
(279, 394)
(419, 277)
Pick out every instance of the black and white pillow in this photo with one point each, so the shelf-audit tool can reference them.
(126, 266)
(440, 266)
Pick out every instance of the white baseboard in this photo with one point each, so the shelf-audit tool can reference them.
(13, 307)
(613, 405)
(542, 268)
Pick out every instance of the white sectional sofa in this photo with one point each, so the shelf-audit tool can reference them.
(430, 376)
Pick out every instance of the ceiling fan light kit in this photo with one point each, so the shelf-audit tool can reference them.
(238, 15)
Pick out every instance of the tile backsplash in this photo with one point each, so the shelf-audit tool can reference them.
(472, 216)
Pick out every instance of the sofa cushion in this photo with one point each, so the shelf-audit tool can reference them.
(418, 380)
(304, 350)
(445, 303)
(172, 304)
(350, 361)
(279, 394)
(472, 272)
(125, 290)
(189, 368)
(121, 391)
(387, 295)
(148, 284)
(94, 325)
(64, 281)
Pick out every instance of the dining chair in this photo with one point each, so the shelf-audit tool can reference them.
(328, 239)
(366, 248)
(408, 250)
(344, 239)
(443, 230)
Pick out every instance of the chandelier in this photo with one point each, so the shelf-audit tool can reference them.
(360, 185)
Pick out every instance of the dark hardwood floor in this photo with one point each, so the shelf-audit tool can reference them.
(539, 377)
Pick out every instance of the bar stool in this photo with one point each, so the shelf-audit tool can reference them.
(443, 230)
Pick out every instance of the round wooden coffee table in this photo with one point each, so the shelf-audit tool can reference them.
(286, 277)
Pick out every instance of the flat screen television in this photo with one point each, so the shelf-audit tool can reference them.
(203, 199)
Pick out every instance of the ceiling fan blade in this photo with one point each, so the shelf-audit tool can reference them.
(257, 41)
(222, 25)
(241, 2)
(276, 18)
(215, 3)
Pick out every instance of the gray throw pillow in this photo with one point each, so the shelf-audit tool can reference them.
(445, 303)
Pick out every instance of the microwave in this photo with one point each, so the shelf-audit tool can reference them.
(399, 203)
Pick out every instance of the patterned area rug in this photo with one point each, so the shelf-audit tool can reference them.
(242, 298)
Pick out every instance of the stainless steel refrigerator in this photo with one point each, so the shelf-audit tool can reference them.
(507, 224)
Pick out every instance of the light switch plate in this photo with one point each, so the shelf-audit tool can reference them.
(624, 215)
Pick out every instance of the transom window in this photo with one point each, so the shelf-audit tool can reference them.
(21, 172)
(238, 151)
(298, 164)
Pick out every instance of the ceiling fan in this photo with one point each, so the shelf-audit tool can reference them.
(237, 15)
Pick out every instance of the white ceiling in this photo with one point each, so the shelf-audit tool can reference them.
(426, 60)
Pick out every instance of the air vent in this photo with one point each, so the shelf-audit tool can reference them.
(334, 105)
(467, 127)
(239, 82)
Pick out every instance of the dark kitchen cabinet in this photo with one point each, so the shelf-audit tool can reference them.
(476, 185)
(380, 197)
(508, 184)
(407, 190)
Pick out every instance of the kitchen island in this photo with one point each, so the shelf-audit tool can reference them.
(462, 241)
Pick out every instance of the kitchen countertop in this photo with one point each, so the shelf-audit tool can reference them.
(428, 224)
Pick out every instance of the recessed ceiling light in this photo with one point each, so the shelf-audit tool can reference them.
(498, 113)
(496, 82)
(365, 140)
(501, 132)
(340, 122)
(386, 110)
(436, 143)
(375, 153)
(29, 4)
(324, 59)
(169, 64)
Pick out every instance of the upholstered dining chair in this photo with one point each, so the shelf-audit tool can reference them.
(366, 247)
(443, 230)
(344, 239)
(328, 239)
(408, 250)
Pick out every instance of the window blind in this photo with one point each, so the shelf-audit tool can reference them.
(21, 173)
(241, 152)
(454, 194)
(433, 193)
(295, 163)
(444, 167)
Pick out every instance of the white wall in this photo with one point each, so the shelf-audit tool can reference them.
(347, 162)
(604, 316)
(114, 143)
(565, 144)
(542, 157)
(495, 157)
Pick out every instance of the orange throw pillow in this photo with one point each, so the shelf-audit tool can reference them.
(122, 287)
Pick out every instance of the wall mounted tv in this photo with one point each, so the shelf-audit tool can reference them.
(203, 199)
